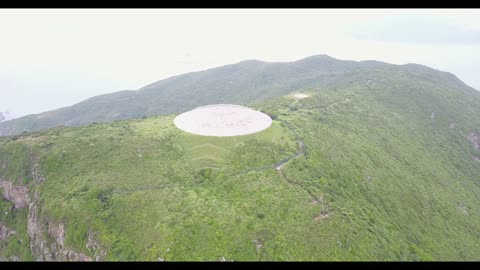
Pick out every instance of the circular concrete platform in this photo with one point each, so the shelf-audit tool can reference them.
(222, 120)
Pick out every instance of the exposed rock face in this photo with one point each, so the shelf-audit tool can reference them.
(47, 237)
(16, 194)
(5, 232)
(57, 231)
(93, 244)
(35, 170)
(39, 244)
(71, 255)
(474, 139)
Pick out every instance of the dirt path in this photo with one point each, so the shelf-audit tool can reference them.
(277, 166)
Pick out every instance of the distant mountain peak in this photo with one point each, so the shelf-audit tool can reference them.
(317, 57)
(321, 56)
(250, 62)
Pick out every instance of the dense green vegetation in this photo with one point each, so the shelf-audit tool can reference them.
(388, 174)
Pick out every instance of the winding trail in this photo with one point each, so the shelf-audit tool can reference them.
(277, 166)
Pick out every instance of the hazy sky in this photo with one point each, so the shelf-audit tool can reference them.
(55, 58)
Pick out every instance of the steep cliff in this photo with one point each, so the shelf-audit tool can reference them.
(46, 236)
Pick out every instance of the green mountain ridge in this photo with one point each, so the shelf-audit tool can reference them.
(239, 83)
(389, 170)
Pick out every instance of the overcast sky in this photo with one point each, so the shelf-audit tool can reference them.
(55, 58)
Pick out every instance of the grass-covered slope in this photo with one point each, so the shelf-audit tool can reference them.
(238, 83)
(391, 172)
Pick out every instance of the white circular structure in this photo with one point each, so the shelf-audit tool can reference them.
(300, 96)
(222, 120)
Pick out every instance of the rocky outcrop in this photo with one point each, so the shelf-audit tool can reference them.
(37, 177)
(5, 232)
(92, 244)
(52, 249)
(15, 194)
(35, 231)
(47, 237)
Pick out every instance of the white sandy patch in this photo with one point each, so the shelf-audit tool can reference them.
(300, 96)
(222, 120)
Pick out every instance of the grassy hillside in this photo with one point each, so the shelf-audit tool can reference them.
(389, 173)
(238, 83)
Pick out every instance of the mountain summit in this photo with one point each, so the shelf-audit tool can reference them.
(239, 83)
